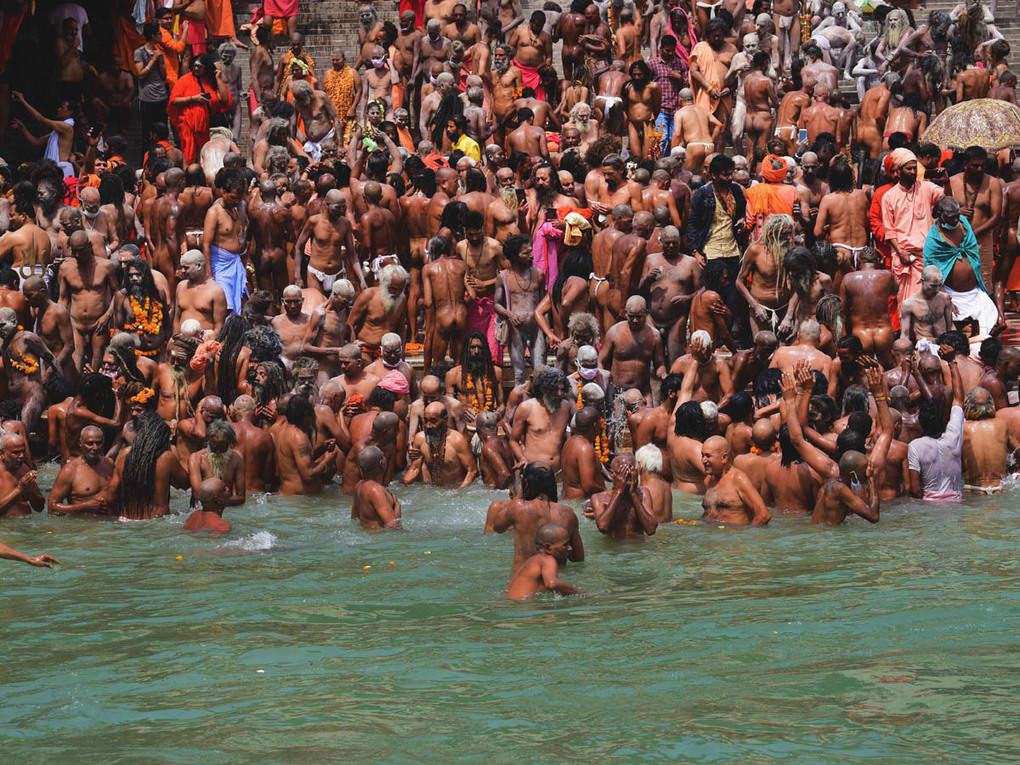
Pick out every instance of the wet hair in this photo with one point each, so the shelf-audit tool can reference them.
(474, 180)
(766, 384)
(689, 421)
(991, 347)
(850, 441)
(453, 218)
(788, 453)
(231, 336)
(821, 383)
(851, 344)
(138, 482)
(855, 399)
(739, 407)
(539, 480)
(576, 263)
(931, 417)
(860, 421)
(96, 390)
(841, 177)
(671, 383)
(299, 409)
(825, 408)
(957, 340)
(382, 398)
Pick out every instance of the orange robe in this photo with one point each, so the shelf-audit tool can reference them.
(192, 120)
(714, 73)
(219, 18)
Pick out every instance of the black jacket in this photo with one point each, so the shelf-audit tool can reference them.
(699, 223)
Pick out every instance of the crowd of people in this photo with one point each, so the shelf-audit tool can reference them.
(708, 270)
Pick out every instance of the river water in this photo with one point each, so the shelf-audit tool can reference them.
(700, 644)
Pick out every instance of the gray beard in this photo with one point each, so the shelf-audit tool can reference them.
(508, 195)
(218, 462)
(552, 404)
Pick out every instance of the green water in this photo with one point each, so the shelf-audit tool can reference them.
(791, 643)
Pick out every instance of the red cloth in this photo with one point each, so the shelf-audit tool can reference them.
(126, 41)
(8, 33)
(530, 79)
(196, 36)
(192, 120)
(280, 9)
(418, 6)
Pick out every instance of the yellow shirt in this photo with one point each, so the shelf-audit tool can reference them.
(721, 243)
(469, 146)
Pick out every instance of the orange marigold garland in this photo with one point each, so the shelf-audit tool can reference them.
(601, 440)
(148, 317)
(480, 404)
(142, 397)
(24, 364)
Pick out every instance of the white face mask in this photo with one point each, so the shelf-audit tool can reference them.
(90, 215)
(587, 374)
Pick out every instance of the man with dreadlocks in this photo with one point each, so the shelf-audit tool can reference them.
(219, 460)
(540, 423)
(145, 471)
(229, 373)
(475, 381)
(761, 279)
(179, 386)
(865, 296)
(299, 473)
(140, 309)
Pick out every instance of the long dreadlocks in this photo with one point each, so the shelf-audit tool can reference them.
(152, 439)
(232, 339)
(775, 235)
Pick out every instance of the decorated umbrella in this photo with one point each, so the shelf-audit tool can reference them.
(986, 122)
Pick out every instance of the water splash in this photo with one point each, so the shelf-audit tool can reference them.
(257, 542)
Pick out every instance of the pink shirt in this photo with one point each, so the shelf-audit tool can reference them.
(906, 214)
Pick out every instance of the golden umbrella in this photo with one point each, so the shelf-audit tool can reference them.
(986, 122)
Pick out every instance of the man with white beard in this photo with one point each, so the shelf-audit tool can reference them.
(381, 309)
(741, 65)
(502, 215)
(580, 118)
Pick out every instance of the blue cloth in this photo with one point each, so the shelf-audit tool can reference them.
(664, 124)
(942, 253)
(228, 272)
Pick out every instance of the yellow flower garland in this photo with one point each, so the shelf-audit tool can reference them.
(601, 440)
(148, 317)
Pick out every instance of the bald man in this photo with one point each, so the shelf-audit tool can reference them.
(374, 506)
(198, 296)
(329, 239)
(632, 350)
(87, 288)
(82, 481)
(19, 493)
(730, 497)
(440, 455)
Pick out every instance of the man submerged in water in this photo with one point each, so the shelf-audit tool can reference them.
(540, 572)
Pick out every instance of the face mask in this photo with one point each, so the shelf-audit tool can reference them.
(90, 215)
(945, 227)
(378, 62)
(855, 484)
(587, 374)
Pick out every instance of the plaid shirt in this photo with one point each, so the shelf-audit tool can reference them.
(669, 87)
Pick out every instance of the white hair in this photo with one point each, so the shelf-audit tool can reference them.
(649, 458)
(933, 271)
(709, 410)
(193, 256)
(702, 338)
(390, 338)
(191, 327)
(809, 330)
(342, 287)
